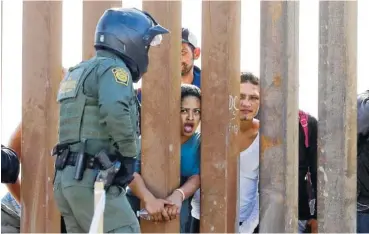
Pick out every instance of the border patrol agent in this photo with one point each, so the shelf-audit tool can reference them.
(98, 113)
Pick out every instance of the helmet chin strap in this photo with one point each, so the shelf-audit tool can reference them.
(133, 69)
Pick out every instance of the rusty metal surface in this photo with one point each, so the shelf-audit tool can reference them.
(161, 111)
(41, 70)
(220, 85)
(279, 116)
(337, 116)
(92, 11)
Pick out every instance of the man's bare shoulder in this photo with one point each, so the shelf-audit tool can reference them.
(256, 124)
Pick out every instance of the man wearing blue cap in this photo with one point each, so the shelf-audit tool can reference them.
(190, 52)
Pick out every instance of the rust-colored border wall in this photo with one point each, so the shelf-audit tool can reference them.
(220, 85)
(337, 130)
(279, 116)
(41, 70)
(161, 109)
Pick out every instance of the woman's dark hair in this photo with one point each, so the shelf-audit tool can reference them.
(189, 90)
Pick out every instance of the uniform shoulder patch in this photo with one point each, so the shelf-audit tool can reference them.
(121, 76)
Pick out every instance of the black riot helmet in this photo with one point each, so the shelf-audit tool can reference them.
(129, 33)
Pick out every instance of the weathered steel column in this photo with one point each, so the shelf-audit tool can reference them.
(337, 116)
(220, 84)
(92, 11)
(161, 110)
(279, 116)
(41, 70)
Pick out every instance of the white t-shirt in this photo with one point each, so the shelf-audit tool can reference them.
(249, 192)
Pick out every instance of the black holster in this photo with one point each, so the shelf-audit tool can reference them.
(62, 153)
(108, 168)
(81, 161)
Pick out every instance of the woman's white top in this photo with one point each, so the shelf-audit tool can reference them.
(249, 192)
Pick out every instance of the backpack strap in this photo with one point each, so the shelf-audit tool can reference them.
(303, 117)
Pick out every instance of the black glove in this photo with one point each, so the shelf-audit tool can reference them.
(127, 168)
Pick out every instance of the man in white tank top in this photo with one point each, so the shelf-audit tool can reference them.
(249, 160)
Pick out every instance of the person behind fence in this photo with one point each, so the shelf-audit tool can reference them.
(15, 143)
(249, 159)
(307, 180)
(308, 155)
(10, 202)
(363, 162)
(178, 202)
(98, 123)
(10, 210)
(190, 73)
(9, 165)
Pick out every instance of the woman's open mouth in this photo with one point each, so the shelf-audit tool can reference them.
(188, 127)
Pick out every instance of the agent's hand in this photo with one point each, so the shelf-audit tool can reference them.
(155, 208)
(175, 209)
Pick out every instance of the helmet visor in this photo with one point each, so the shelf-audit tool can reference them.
(156, 40)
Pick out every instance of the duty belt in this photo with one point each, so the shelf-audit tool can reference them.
(91, 163)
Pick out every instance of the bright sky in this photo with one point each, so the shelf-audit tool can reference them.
(191, 18)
